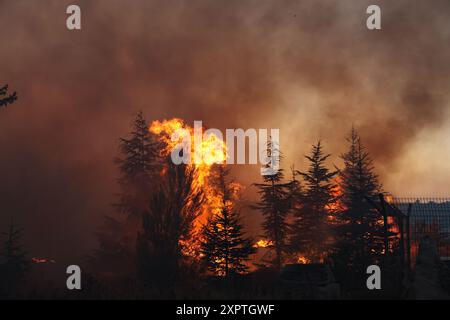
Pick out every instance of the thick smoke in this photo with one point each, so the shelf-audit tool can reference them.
(309, 68)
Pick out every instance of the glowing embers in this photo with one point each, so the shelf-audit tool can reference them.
(42, 260)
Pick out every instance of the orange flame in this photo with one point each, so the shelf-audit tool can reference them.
(205, 151)
(389, 198)
(262, 243)
(337, 204)
(42, 260)
(303, 260)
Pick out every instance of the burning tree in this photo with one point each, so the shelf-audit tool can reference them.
(224, 247)
(311, 228)
(184, 198)
(275, 205)
(167, 222)
(6, 99)
(360, 232)
(211, 151)
(13, 261)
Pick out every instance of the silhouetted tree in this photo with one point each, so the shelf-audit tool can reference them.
(13, 261)
(224, 247)
(275, 205)
(115, 253)
(295, 190)
(168, 220)
(311, 228)
(139, 164)
(360, 232)
(6, 99)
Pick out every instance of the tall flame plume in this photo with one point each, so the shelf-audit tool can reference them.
(211, 151)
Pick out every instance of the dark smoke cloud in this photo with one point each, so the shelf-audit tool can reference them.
(310, 68)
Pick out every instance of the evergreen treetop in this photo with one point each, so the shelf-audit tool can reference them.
(275, 205)
(224, 246)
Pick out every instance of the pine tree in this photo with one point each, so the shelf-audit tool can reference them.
(312, 231)
(13, 261)
(139, 163)
(6, 99)
(360, 232)
(275, 206)
(224, 247)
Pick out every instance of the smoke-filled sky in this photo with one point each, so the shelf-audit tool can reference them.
(310, 68)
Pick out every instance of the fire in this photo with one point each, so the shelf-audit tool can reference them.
(389, 198)
(337, 204)
(213, 150)
(42, 260)
(393, 226)
(303, 260)
(206, 150)
(262, 243)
